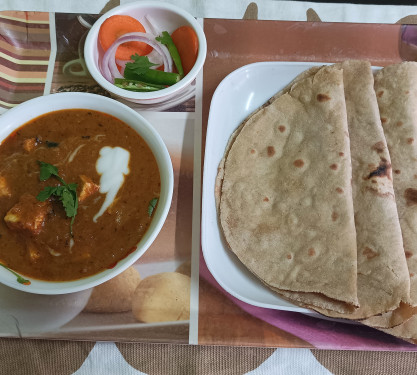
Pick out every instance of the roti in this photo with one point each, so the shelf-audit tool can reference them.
(383, 280)
(396, 95)
(285, 200)
(220, 171)
(395, 87)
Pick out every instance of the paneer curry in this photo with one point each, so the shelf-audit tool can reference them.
(77, 193)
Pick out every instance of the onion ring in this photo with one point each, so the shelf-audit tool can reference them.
(154, 27)
(108, 63)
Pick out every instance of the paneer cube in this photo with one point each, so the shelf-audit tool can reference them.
(88, 188)
(29, 144)
(33, 251)
(28, 215)
(4, 188)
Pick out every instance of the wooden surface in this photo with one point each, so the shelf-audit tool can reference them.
(221, 322)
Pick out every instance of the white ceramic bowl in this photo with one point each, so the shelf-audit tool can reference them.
(18, 116)
(168, 17)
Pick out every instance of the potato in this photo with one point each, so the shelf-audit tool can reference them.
(114, 295)
(185, 268)
(162, 297)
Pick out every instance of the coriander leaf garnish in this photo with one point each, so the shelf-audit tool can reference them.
(68, 200)
(47, 170)
(73, 186)
(139, 66)
(19, 278)
(164, 38)
(152, 204)
(67, 193)
(46, 193)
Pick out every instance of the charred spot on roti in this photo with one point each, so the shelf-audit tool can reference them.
(407, 92)
(281, 128)
(382, 170)
(335, 216)
(378, 193)
(323, 97)
(333, 166)
(384, 120)
(378, 147)
(410, 196)
(380, 93)
(397, 171)
(410, 140)
(299, 163)
(369, 253)
(270, 151)
(289, 256)
(252, 151)
(408, 254)
(399, 123)
(339, 190)
(311, 251)
(374, 181)
(341, 154)
(266, 199)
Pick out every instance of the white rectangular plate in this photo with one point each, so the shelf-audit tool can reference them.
(237, 96)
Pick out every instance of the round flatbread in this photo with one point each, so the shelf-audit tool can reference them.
(383, 280)
(286, 205)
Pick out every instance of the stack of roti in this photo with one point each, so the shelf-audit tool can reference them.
(308, 202)
(395, 88)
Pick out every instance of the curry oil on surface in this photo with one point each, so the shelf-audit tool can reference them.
(232, 44)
